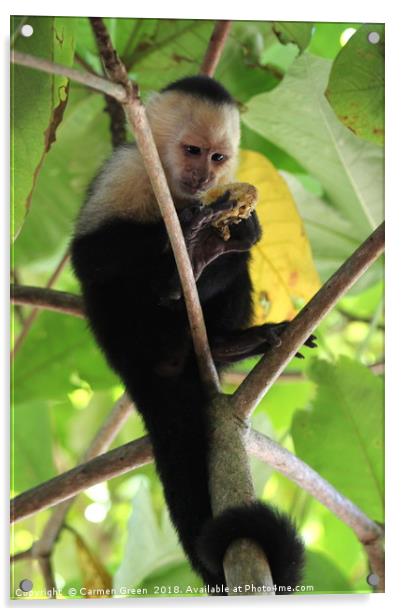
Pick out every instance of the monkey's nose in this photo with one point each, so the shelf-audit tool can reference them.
(202, 180)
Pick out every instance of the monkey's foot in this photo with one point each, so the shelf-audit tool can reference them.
(273, 333)
(238, 345)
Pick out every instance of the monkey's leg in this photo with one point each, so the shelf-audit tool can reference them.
(238, 345)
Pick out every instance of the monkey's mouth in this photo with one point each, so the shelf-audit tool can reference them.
(189, 188)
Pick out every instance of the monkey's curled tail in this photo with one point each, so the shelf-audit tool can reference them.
(271, 530)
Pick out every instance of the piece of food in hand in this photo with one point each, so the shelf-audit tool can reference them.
(244, 194)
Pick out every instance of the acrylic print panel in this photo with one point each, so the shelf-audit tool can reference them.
(99, 319)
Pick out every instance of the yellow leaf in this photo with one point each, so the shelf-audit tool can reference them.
(282, 269)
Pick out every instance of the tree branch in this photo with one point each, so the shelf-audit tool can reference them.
(87, 79)
(215, 47)
(139, 452)
(261, 378)
(117, 121)
(59, 301)
(103, 467)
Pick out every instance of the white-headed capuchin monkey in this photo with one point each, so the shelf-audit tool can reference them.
(123, 259)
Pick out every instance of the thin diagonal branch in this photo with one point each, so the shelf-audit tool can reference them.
(59, 301)
(215, 47)
(265, 373)
(87, 79)
(103, 467)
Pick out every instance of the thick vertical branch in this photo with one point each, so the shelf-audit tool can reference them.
(230, 485)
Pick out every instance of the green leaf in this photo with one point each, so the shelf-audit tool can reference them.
(83, 142)
(356, 84)
(58, 354)
(31, 445)
(339, 542)
(332, 237)
(342, 436)
(323, 575)
(150, 546)
(293, 32)
(250, 140)
(297, 117)
(326, 38)
(173, 49)
(38, 101)
(282, 400)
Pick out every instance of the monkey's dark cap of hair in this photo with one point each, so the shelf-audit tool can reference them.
(202, 86)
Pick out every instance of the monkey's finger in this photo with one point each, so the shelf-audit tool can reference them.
(222, 199)
(310, 342)
(220, 208)
(299, 355)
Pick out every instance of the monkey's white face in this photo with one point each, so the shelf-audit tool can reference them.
(197, 141)
(198, 165)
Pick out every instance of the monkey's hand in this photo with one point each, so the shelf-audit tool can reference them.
(238, 345)
(205, 243)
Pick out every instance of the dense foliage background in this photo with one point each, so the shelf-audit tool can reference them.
(307, 108)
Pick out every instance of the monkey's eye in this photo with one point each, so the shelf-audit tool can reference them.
(218, 157)
(193, 150)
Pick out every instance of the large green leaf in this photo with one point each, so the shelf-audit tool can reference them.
(38, 101)
(342, 436)
(332, 237)
(297, 117)
(83, 142)
(31, 445)
(58, 353)
(339, 542)
(356, 84)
